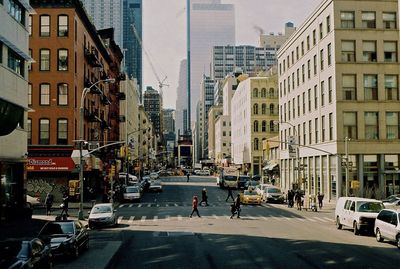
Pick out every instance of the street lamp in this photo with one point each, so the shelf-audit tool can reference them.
(129, 142)
(81, 139)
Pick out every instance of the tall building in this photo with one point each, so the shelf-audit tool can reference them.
(132, 15)
(106, 14)
(338, 80)
(152, 104)
(181, 101)
(14, 58)
(211, 23)
(169, 120)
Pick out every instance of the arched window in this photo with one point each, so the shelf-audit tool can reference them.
(255, 92)
(263, 93)
(271, 109)
(263, 109)
(256, 144)
(255, 109)
(271, 93)
(255, 126)
(271, 126)
(264, 126)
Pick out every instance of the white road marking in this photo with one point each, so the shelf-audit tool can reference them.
(149, 205)
(120, 219)
(312, 220)
(215, 216)
(131, 219)
(140, 205)
(179, 217)
(227, 217)
(329, 219)
(175, 204)
(167, 217)
(276, 218)
(143, 218)
(120, 206)
(320, 219)
(264, 218)
(167, 205)
(299, 219)
(131, 205)
(155, 218)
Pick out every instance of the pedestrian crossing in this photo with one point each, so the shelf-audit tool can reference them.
(140, 205)
(280, 218)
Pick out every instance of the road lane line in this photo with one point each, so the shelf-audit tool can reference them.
(140, 205)
(131, 219)
(143, 218)
(155, 218)
(130, 205)
(120, 219)
(320, 219)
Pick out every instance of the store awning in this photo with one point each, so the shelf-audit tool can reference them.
(271, 165)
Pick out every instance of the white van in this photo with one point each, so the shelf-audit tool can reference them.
(357, 213)
(387, 226)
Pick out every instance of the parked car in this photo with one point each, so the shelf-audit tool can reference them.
(155, 185)
(132, 193)
(392, 201)
(387, 226)
(250, 197)
(228, 180)
(272, 194)
(154, 176)
(66, 237)
(251, 184)
(102, 215)
(32, 202)
(256, 178)
(242, 181)
(357, 213)
(131, 178)
(21, 254)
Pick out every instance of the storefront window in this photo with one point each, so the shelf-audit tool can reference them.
(370, 175)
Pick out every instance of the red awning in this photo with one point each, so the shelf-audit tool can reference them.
(49, 164)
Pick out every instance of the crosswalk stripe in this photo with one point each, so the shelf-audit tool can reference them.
(167, 205)
(312, 220)
(299, 219)
(175, 204)
(179, 217)
(121, 206)
(320, 219)
(143, 218)
(264, 218)
(227, 217)
(140, 205)
(276, 218)
(167, 217)
(215, 216)
(131, 219)
(155, 218)
(120, 219)
(329, 219)
(149, 205)
(130, 205)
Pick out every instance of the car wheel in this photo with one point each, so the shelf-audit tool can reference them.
(398, 241)
(378, 236)
(338, 224)
(355, 229)
(76, 251)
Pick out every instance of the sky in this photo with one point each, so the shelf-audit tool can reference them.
(164, 33)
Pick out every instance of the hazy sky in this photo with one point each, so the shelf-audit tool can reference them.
(164, 32)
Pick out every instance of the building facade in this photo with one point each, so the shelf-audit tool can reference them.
(213, 114)
(152, 104)
(338, 87)
(181, 118)
(14, 64)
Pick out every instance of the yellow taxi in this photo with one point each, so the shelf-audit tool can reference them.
(250, 196)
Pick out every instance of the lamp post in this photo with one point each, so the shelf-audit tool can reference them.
(126, 153)
(81, 141)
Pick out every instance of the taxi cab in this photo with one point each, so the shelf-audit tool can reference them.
(250, 197)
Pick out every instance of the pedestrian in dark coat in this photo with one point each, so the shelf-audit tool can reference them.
(187, 176)
(320, 198)
(230, 194)
(204, 197)
(233, 210)
(237, 205)
(290, 198)
(195, 202)
(49, 203)
(65, 205)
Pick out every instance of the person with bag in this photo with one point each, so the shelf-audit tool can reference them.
(237, 205)
(49, 203)
(195, 202)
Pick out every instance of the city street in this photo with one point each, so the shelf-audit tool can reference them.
(158, 233)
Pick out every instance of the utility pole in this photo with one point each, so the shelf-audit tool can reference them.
(346, 148)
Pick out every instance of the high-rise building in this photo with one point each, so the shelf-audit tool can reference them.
(338, 80)
(152, 103)
(181, 101)
(132, 16)
(211, 23)
(14, 130)
(106, 14)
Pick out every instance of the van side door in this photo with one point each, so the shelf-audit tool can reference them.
(345, 213)
(391, 227)
(351, 213)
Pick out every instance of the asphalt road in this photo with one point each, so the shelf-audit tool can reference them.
(157, 233)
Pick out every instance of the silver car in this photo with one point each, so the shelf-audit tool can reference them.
(387, 226)
(102, 215)
(132, 193)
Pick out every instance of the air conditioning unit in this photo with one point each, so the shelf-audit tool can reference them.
(93, 146)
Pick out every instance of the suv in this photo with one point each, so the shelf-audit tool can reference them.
(242, 181)
(387, 226)
(357, 213)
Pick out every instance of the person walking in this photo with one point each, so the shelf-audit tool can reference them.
(65, 205)
(320, 198)
(49, 203)
(298, 198)
(204, 197)
(187, 177)
(195, 202)
(237, 205)
(230, 194)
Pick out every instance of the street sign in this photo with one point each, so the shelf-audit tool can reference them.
(292, 147)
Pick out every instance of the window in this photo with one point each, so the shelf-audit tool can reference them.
(309, 132)
(62, 60)
(309, 100)
(371, 125)
(315, 64)
(330, 126)
(391, 88)
(62, 94)
(308, 43)
(17, 11)
(255, 92)
(256, 144)
(329, 54)
(370, 87)
(255, 126)
(369, 51)
(392, 125)
(389, 20)
(263, 109)
(15, 62)
(390, 51)
(303, 75)
(29, 130)
(323, 129)
(304, 103)
(271, 93)
(44, 60)
(29, 94)
(321, 31)
(368, 19)
(298, 77)
(224, 133)
(348, 51)
(264, 126)
(44, 94)
(322, 93)
(304, 134)
(255, 109)
(62, 25)
(349, 87)
(330, 89)
(44, 26)
(289, 110)
(328, 24)
(315, 97)
(62, 132)
(271, 126)
(350, 125)
(29, 63)
(263, 93)
(347, 19)
(316, 130)
(44, 131)
(321, 59)
(271, 109)
(298, 105)
(30, 25)
(309, 69)
(314, 36)
(302, 48)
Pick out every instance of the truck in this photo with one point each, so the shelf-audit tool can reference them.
(228, 176)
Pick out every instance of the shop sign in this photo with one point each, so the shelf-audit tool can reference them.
(49, 164)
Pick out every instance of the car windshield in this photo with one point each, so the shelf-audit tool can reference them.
(242, 178)
(253, 183)
(250, 193)
(273, 190)
(230, 178)
(100, 209)
(132, 190)
(58, 228)
(373, 207)
(392, 198)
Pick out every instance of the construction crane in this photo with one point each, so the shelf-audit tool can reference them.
(161, 83)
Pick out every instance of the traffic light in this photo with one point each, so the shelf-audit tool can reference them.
(112, 172)
(122, 152)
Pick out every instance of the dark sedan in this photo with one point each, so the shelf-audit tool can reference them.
(66, 237)
(33, 253)
(242, 181)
